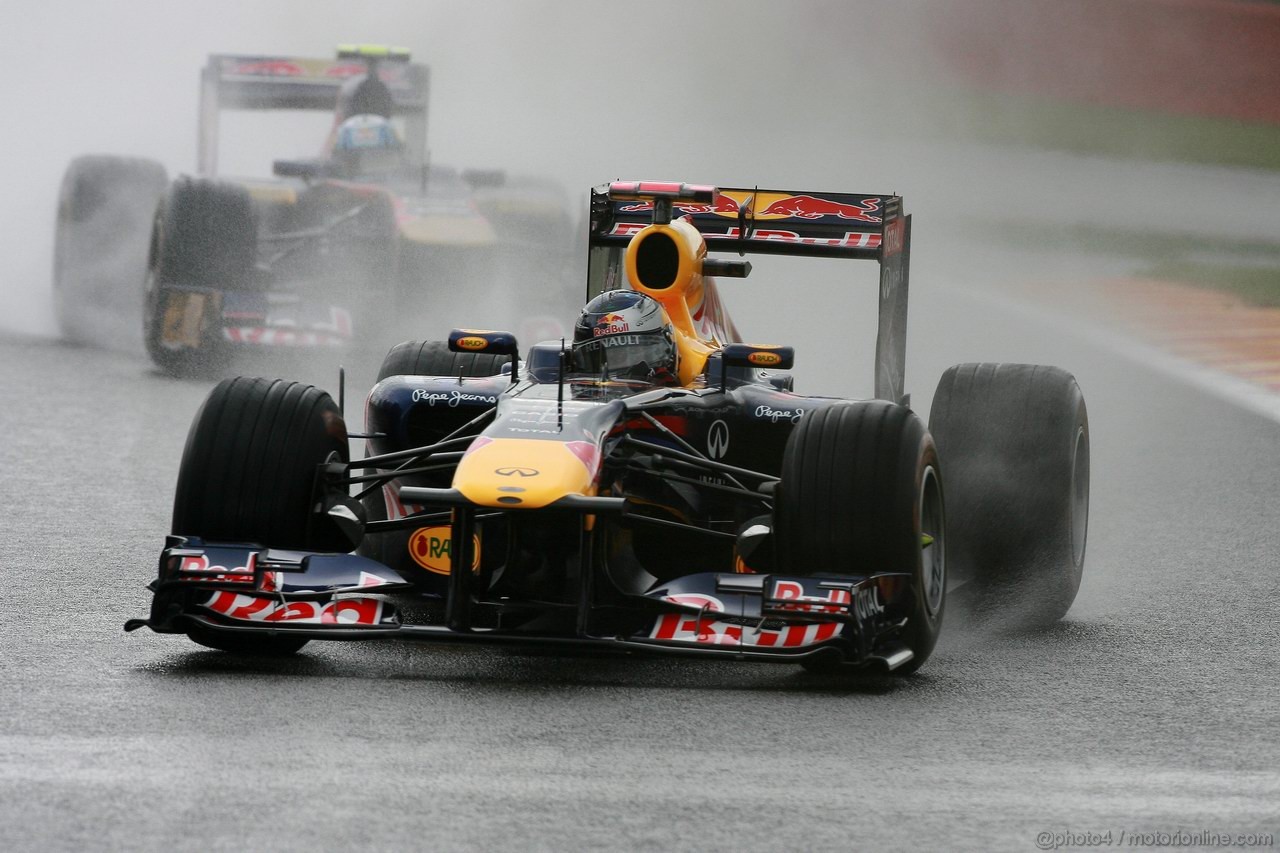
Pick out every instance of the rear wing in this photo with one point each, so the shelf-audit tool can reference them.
(239, 82)
(775, 222)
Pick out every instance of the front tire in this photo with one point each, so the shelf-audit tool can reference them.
(203, 243)
(249, 466)
(861, 493)
(248, 474)
(239, 644)
(1015, 440)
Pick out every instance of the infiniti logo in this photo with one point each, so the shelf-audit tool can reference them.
(718, 440)
(516, 472)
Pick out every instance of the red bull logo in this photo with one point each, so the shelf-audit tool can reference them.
(723, 205)
(271, 68)
(350, 69)
(812, 207)
(610, 324)
(781, 207)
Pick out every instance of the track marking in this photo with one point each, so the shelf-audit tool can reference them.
(1217, 383)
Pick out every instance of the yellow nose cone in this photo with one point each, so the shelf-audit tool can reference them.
(521, 473)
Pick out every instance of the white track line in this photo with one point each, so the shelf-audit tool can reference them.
(1247, 395)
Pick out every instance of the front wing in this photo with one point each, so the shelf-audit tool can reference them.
(244, 589)
(194, 318)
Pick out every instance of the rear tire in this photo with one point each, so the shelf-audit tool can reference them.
(204, 241)
(860, 485)
(248, 474)
(105, 209)
(1015, 440)
(433, 358)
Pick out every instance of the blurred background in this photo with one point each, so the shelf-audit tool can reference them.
(1036, 142)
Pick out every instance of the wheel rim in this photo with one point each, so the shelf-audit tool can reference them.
(1079, 497)
(933, 552)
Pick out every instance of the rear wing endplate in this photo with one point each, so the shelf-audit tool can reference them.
(236, 82)
(775, 222)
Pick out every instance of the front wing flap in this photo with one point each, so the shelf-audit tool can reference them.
(247, 585)
(775, 614)
(246, 589)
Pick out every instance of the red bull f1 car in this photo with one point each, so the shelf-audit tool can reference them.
(319, 256)
(655, 486)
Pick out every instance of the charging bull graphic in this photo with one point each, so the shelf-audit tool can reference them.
(809, 207)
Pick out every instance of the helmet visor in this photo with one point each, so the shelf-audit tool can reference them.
(626, 356)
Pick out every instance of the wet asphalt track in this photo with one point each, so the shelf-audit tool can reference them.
(1153, 707)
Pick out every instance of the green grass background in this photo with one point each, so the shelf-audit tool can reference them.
(1250, 270)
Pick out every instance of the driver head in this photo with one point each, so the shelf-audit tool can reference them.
(623, 334)
(367, 145)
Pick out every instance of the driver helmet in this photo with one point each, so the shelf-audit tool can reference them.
(623, 334)
(367, 145)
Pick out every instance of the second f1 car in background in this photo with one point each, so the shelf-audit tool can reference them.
(328, 252)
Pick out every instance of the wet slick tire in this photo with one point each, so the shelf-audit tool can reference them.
(247, 475)
(860, 486)
(434, 358)
(1015, 441)
(105, 208)
(240, 644)
(203, 243)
